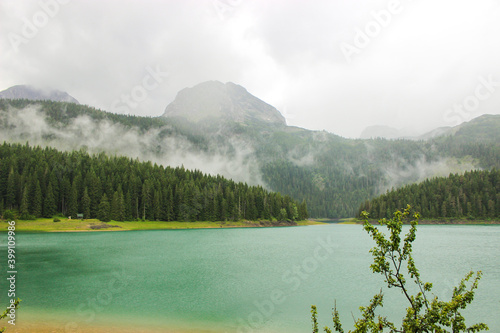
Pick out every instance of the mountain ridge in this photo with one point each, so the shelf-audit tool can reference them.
(481, 128)
(216, 100)
(472, 127)
(32, 93)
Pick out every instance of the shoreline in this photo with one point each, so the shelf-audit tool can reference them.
(93, 225)
(457, 222)
(40, 325)
(443, 222)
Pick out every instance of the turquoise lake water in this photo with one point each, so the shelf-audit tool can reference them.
(237, 280)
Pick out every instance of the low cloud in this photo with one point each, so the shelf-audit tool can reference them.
(422, 169)
(31, 125)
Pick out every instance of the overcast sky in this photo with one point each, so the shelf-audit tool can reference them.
(338, 65)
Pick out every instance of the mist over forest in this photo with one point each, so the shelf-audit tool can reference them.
(333, 174)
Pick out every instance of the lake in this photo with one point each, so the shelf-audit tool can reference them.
(234, 280)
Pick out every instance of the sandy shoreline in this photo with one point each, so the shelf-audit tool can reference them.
(40, 326)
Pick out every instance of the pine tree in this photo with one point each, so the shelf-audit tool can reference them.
(223, 210)
(117, 206)
(146, 201)
(114, 207)
(4, 174)
(128, 206)
(49, 204)
(10, 198)
(303, 213)
(230, 204)
(24, 209)
(196, 204)
(215, 209)
(121, 204)
(251, 212)
(86, 204)
(103, 212)
(294, 212)
(168, 205)
(65, 195)
(94, 191)
(37, 200)
(157, 211)
(56, 190)
(73, 201)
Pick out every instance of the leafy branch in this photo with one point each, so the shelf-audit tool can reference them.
(390, 255)
(14, 307)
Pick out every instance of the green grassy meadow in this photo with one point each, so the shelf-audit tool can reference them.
(67, 225)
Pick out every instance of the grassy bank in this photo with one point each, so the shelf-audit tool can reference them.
(457, 221)
(90, 225)
(348, 220)
(67, 225)
(444, 221)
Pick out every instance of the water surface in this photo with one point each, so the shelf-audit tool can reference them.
(229, 280)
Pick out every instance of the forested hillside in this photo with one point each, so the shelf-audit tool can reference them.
(334, 175)
(473, 195)
(43, 182)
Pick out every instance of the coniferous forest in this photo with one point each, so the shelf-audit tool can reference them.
(333, 175)
(473, 195)
(42, 182)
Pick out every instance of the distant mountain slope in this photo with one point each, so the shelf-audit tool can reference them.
(32, 93)
(437, 132)
(474, 194)
(485, 128)
(216, 100)
(378, 131)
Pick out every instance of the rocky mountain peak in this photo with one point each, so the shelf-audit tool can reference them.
(229, 101)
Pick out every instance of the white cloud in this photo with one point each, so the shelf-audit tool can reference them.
(284, 52)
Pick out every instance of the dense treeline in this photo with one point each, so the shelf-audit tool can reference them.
(38, 182)
(475, 194)
(329, 193)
